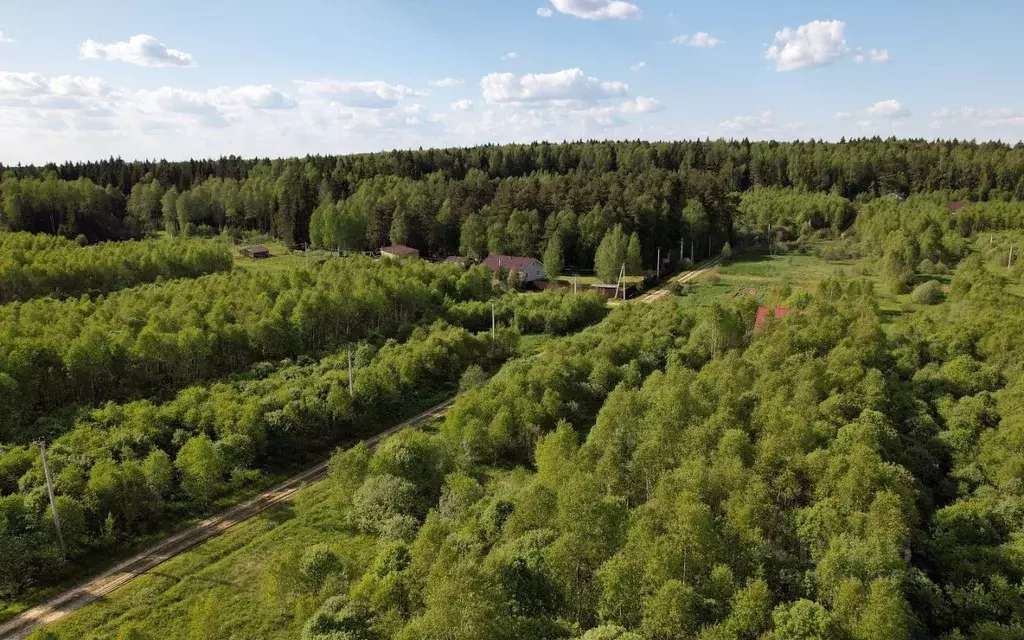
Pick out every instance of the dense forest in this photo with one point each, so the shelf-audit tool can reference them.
(35, 265)
(673, 475)
(513, 199)
(660, 471)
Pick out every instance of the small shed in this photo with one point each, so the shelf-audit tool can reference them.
(530, 269)
(399, 251)
(762, 315)
(258, 252)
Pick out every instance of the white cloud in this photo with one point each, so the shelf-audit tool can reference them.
(365, 95)
(985, 116)
(566, 86)
(809, 45)
(641, 105)
(638, 66)
(4, 39)
(511, 55)
(446, 83)
(265, 97)
(763, 123)
(141, 50)
(598, 9)
(874, 55)
(699, 39)
(843, 115)
(544, 12)
(462, 105)
(888, 109)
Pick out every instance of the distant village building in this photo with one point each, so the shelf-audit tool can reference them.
(399, 251)
(529, 269)
(762, 315)
(956, 205)
(258, 252)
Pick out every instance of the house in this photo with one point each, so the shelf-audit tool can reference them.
(530, 269)
(956, 205)
(258, 252)
(762, 315)
(399, 251)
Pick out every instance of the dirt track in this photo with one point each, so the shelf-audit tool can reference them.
(683, 278)
(56, 608)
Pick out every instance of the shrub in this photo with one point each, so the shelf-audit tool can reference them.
(928, 293)
(926, 266)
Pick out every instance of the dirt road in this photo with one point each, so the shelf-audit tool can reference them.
(53, 610)
(682, 278)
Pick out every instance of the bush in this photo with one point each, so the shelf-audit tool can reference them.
(928, 293)
(926, 266)
(318, 562)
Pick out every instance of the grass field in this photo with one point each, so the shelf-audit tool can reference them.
(771, 280)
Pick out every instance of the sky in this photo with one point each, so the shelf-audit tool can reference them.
(151, 79)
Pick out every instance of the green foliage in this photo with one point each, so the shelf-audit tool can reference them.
(611, 255)
(38, 265)
(927, 293)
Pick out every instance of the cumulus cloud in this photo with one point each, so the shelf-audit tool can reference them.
(641, 104)
(544, 12)
(141, 50)
(763, 123)
(888, 109)
(985, 116)
(638, 66)
(511, 55)
(873, 55)
(446, 83)
(810, 45)
(699, 39)
(462, 105)
(4, 39)
(567, 86)
(598, 9)
(365, 95)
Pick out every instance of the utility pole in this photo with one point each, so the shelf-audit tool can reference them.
(351, 390)
(622, 279)
(692, 243)
(574, 277)
(658, 277)
(53, 500)
(1009, 261)
(682, 250)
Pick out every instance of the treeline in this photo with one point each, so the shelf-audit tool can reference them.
(921, 235)
(685, 479)
(551, 312)
(152, 338)
(125, 469)
(34, 265)
(116, 198)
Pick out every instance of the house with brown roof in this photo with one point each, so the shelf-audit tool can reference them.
(762, 315)
(956, 205)
(258, 252)
(529, 269)
(399, 251)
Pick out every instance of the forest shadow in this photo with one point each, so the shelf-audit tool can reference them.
(280, 514)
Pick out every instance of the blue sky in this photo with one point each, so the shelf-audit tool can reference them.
(149, 79)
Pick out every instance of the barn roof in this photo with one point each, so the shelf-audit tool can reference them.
(400, 250)
(519, 263)
(762, 315)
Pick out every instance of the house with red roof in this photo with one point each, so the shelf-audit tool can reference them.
(956, 205)
(399, 251)
(529, 269)
(762, 315)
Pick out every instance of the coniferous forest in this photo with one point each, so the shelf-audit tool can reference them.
(677, 466)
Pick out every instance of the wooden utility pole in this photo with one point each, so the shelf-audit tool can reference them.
(658, 267)
(575, 276)
(622, 279)
(53, 500)
(351, 390)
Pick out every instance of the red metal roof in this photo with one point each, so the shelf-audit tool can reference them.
(956, 205)
(519, 263)
(762, 315)
(400, 250)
